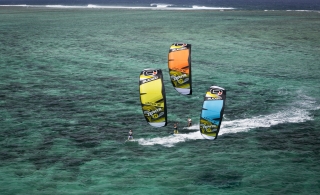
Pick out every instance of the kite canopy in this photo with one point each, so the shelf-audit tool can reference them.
(212, 112)
(179, 64)
(152, 97)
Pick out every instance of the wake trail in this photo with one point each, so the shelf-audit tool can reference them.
(298, 114)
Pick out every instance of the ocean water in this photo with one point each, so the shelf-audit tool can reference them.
(69, 94)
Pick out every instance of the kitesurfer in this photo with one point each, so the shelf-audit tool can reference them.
(175, 127)
(130, 135)
(189, 122)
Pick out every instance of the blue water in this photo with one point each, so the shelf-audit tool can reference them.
(69, 95)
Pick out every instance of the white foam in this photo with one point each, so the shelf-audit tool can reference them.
(153, 6)
(171, 140)
(297, 113)
(160, 5)
(22, 5)
(303, 11)
(59, 6)
(211, 8)
(243, 125)
(92, 6)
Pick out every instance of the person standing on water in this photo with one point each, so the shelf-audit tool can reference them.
(175, 127)
(130, 135)
(189, 122)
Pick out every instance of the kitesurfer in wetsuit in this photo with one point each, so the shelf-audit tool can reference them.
(175, 127)
(130, 135)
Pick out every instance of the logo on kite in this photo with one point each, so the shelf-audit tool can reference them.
(150, 72)
(155, 72)
(216, 91)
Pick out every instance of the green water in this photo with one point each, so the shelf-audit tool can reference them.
(69, 94)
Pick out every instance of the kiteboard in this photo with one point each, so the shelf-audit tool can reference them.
(176, 134)
(131, 142)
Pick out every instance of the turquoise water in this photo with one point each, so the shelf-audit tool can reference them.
(69, 95)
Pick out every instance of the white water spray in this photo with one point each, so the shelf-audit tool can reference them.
(299, 113)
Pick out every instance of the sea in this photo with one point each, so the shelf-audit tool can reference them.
(69, 94)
